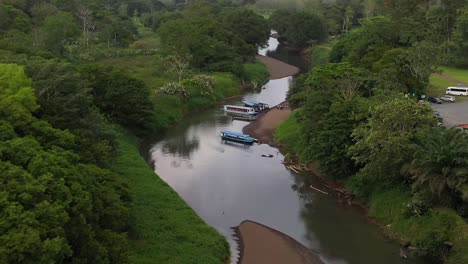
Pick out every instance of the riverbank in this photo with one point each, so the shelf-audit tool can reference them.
(383, 207)
(278, 69)
(165, 228)
(262, 244)
(264, 127)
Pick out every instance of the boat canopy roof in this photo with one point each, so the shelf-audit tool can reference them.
(234, 133)
(252, 103)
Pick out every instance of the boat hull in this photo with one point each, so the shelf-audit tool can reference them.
(244, 141)
(237, 137)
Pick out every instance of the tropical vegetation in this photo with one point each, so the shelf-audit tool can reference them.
(80, 83)
(357, 115)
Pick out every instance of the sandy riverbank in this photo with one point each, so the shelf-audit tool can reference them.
(264, 127)
(259, 243)
(278, 69)
(262, 244)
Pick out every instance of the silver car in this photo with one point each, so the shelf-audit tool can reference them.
(448, 98)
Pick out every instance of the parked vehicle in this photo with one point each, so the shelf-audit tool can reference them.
(457, 91)
(435, 100)
(448, 98)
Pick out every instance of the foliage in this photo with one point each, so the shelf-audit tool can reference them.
(288, 134)
(320, 55)
(299, 28)
(248, 25)
(174, 89)
(339, 78)
(440, 164)
(123, 99)
(53, 208)
(255, 74)
(384, 143)
(212, 47)
(460, 57)
(205, 84)
(419, 205)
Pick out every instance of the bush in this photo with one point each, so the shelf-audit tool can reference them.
(419, 205)
(173, 88)
(255, 74)
(320, 55)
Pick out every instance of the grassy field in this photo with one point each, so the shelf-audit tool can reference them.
(438, 84)
(166, 229)
(456, 73)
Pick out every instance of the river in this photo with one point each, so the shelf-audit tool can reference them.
(229, 183)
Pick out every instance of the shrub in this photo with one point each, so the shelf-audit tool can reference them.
(173, 88)
(419, 205)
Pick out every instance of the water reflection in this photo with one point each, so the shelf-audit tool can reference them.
(181, 148)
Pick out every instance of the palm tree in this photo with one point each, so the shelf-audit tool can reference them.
(440, 163)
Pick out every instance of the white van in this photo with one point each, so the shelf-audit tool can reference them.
(457, 91)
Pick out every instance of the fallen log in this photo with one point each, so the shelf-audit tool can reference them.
(318, 190)
(293, 169)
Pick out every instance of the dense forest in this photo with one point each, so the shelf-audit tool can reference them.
(357, 113)
(78, 80)
(82, 80)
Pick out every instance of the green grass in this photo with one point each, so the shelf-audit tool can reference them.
(456, 73)
(167, 230)
(386, 206)
(256, 73)
(152, 70)
(320, 54)
(438, 87)
(288, 134)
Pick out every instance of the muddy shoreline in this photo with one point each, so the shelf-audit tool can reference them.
(280, 248)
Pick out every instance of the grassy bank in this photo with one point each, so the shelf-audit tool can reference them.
(255, 74)
(319, 55)
(170, 109)
(387, 207)
(425, 232)
(288, 135)
(167, 230)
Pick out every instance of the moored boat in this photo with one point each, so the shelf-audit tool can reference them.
(237, 137)
(239, 110)
(242, 117)
(258, 106)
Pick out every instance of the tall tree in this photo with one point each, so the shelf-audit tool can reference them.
(440, 164)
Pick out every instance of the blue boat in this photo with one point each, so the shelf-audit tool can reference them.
(237, 137)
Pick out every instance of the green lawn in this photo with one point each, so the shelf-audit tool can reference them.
(438, 85)
(456, 73)
(166, 229)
